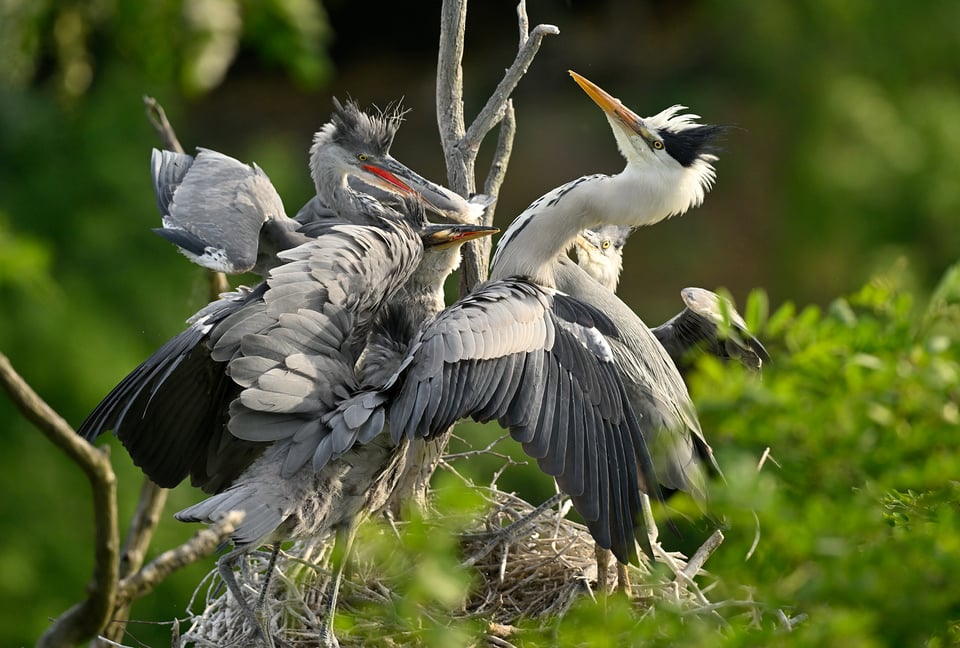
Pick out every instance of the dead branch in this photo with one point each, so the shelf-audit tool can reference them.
(201, 545)
(139, 535)
(461, 144)
(85, 619)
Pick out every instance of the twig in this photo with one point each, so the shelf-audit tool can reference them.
(85, 619)
(142, 527)
(703, 553)
(204, 543)
(764, 457)
(756, 537)
(494, 109)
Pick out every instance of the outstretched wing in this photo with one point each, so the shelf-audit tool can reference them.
(538, 362)
(167, 411)
(213, 207)
(295, 356)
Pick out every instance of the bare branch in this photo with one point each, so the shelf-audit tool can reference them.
(522, 21)
(501, 159)
(698, 559)
(201, 545)
(140, 534)
(158, 119)
(496, 105)
(453, 20)
(85, 619)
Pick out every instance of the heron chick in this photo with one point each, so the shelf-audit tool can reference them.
(709, 321)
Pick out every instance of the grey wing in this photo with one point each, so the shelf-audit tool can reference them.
(168, 412)
(538, 362)
(700, 325)
(295, 359)
(213, 207)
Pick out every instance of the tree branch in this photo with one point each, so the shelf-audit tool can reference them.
(460, 145)
(494, 109)
(85, 619)
(140, 534)
(453, 21)
(201, 545)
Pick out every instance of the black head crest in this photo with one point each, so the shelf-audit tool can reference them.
(372, 133)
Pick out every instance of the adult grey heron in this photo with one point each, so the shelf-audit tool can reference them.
(226, 215)
(708, 321)
(570, 370)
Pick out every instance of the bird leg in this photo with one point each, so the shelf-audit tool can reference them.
(603, 563)
(343, 542)
(225, 568)
(623, 580)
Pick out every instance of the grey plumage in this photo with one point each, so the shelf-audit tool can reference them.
(226, 215)
(578, 380)
(708, 322)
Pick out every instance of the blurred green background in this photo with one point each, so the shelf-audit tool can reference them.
(845, 157)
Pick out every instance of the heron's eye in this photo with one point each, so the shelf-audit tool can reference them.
(363, 157)
(657, 144)
(605, 244)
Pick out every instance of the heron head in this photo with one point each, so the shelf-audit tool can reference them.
(353, 149)
(600, 253)
(670, 142)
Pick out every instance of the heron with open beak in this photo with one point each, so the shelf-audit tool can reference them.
(227, 216)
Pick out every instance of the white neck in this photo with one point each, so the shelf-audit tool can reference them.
(548, 227)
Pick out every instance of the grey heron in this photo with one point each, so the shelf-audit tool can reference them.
(226, 215)
(600, 254)
(323, 297)
(699, 325)
(570, 370)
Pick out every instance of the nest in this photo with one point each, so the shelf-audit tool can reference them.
(531, 566)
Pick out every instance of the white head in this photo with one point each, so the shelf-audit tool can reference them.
(670, 149)
(669, 170)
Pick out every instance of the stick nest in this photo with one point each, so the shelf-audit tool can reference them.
(534, 572)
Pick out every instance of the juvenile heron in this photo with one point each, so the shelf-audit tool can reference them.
(226, 215)
(294, 373)
(709, 321)
(571, 371)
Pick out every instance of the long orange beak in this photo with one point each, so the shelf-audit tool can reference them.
(611, 105)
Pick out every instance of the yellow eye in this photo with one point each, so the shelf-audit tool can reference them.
(657, 144)
(605, 244)
(363, 157)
